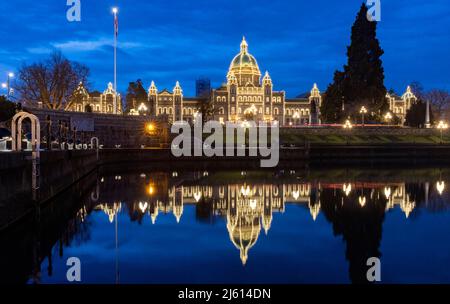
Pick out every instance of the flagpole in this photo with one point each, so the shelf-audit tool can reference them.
(115, 10)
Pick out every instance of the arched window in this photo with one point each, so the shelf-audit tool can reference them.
(275, 111)
(221, 110)
(240, 98)
(267, 110)
(224, 99)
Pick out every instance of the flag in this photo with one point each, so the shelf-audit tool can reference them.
(116, 25)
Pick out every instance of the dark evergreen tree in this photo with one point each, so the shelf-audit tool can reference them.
(331, 109)
(362, 82)
(136, 95)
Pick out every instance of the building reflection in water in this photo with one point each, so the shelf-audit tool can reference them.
(248, 207)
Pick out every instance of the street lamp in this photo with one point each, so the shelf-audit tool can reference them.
(363, 112)
(388, 117)
(441, 127)
(347, 126)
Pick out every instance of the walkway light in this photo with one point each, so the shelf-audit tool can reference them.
(388, 117)
(347, 124)
(363, 112)
(441, 127)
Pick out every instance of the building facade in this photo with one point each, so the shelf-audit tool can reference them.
(401, 105)
(96, 102)
(246, 95)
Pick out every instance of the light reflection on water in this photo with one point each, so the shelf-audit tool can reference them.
(254, 227)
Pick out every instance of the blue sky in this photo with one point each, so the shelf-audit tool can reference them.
(298, 42)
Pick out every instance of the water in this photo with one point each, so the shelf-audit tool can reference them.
(241, 227)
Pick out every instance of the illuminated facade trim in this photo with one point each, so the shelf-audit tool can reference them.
(244, 96)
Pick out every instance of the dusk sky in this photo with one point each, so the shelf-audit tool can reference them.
(298, 42)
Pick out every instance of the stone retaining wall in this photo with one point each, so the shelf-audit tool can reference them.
(112, 130)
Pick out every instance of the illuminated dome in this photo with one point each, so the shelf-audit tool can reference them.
(244, 233)
(245, 67)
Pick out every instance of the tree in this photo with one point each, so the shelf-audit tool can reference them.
(207, 110)
(7, 109)
(51, 82)
(417, 89)
(331, 109)
(415, 117)
(439, 100)
(136, 95)
(362, 81)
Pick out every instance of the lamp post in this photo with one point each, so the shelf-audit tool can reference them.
(363, 112)
(8, 83)
(388, 117)
(347, 126)
(441, 127)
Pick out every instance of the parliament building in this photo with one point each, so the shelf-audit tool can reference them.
(247, 95)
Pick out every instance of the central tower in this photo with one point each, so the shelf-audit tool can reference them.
(245, 67)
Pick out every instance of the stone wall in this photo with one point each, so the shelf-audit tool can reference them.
(112, 130)
(58, 170)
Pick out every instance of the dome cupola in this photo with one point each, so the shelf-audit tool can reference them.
(245, 67)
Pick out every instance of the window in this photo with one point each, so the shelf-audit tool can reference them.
(276, 111)
(233, 110)
(221, 110)
(267, 110)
